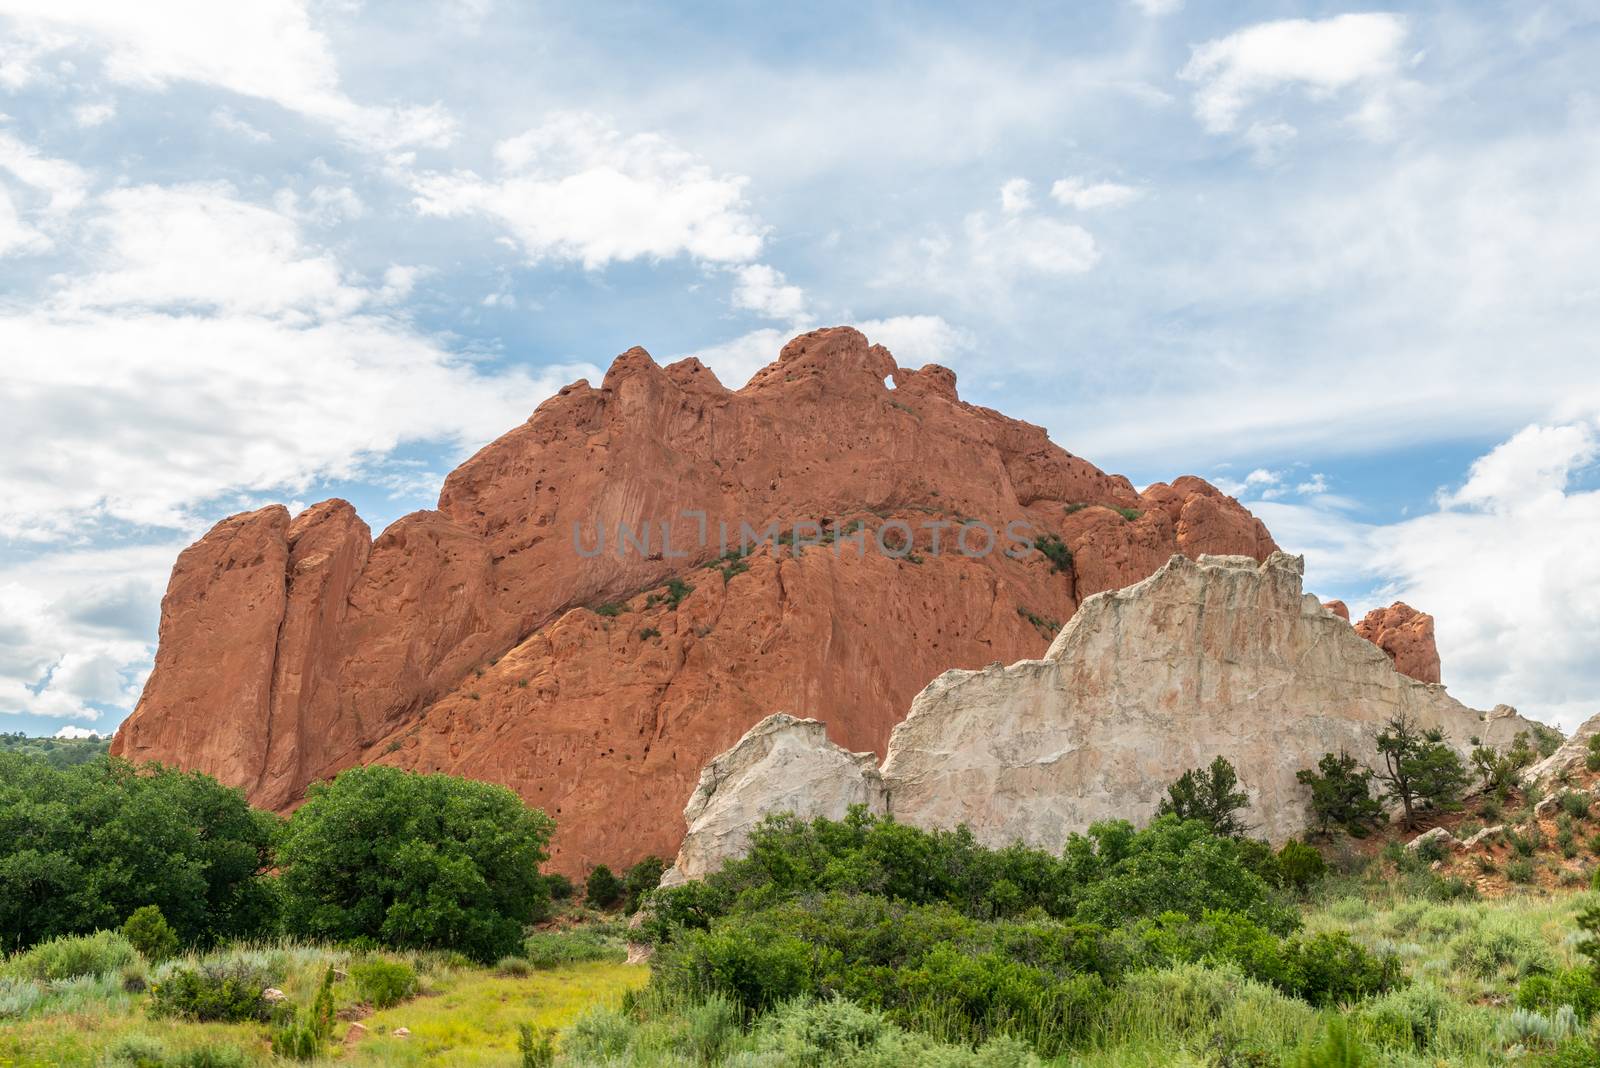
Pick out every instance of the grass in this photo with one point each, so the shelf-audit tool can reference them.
(464, 1015)
(472, 1020)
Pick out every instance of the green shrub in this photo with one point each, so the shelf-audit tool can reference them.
(414, 861)
(382, 983)
(553, 949)
(610, 609)
(1208, 795)
(150, 933)
(602, 890)
(754, 967)
(1055, 550)
(1519, 870)
(535, 1051)
(1341, 795)
(1336, 1048)
(640, 879)
(1575, 803)
(139, 1051)
(229, 991)
(1545, 993)
(101, 953)
(559, 887)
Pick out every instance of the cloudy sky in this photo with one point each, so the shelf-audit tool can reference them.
(1345, 264)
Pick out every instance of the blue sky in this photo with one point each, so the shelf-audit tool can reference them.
(1342, 262)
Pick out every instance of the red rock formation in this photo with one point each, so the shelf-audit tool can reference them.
(1338, 608)
(1407, 636)
(464, 639)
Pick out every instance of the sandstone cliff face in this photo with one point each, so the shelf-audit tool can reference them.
(1407, 636)
(463, 639)
(1220, 656)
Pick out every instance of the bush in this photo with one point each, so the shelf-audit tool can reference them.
(228, 991)
(382, 983)
(754, 967)
(101, 953)
(559, 887)
(552, 949)
(303, 1037)
(1336, 1048)
(82, 847)
(1341, 796)
(1300, 864)
(642, 878)
(414, 861)
(1576, 987)
(150, 933)
(1208, 795)
(602, 889)
(1519, 870)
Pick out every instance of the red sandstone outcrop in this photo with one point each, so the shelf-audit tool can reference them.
(1407, 636)
(466, 639)
(1338, 608)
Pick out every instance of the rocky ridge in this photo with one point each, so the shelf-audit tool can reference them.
(1217, 656)
(487, 638)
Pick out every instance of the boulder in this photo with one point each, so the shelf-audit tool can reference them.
(1572, 756)
(1438, 836)
(1407, 636)
(1473, 841)
(782, 764)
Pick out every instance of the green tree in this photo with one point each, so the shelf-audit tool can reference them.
(602, 889)
(1208, 795)
(640, 879)
(82, 847)
(1341, 795)
(414, 861)
(1419, 769)
(1501, 772)
(150, 933)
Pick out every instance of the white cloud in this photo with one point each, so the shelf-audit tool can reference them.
(210, 351)
(734, 361)
(17, 236)
(77, 733)
(765, 291)
(94, 114)
(1505, 564)
(1030, 243)
(1321, 57)
(200, 247)
(1016, 196)
(918, 339)
(267, 49)
(78, 627)
(1269, 140)
(65, 184)
(1158, 8)
(577, 189)
(227, 120)
(1085, 195)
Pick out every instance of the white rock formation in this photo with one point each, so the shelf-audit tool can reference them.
(782, 764)
(1570, 757)
(1216, 657)
(1220, 657)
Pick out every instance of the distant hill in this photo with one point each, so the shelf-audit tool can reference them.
(57, 752)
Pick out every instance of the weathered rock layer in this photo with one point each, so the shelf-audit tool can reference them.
(1223, 656)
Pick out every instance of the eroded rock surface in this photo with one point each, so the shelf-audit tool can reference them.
(1407, 636)
(464, 639)
(782, 764)
(1223, 656)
